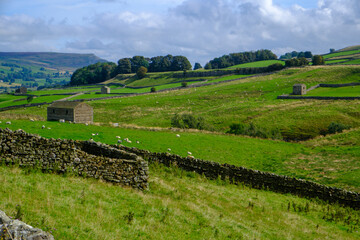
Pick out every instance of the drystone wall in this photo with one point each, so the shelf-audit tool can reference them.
(86, 158)
(317, 98)
(253, 178)
(11, 229)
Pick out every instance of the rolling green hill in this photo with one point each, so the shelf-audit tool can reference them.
(185, 205)
(59, 61)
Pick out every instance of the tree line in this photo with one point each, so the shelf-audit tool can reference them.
(240, 58)
(295, 54)
(100, 72)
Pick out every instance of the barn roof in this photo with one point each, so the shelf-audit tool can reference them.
(65, 104)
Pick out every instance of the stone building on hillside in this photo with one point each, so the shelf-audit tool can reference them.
(21, 90)
(105, 90)
(299, 89)
(78, 112)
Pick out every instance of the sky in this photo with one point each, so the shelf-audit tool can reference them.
(198, 29)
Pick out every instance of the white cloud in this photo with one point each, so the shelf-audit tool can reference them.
(198, 29)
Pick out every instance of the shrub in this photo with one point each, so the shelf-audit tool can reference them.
(187, 121)
(184, 84)
(275, 67)
(153, 89)
(335, 127)
(141, 72)
(254, 131)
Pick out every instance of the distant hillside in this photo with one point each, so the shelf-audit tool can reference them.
(60, 61)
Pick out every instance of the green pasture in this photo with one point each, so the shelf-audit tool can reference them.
(249, 100)
(265, 63)
(339, 54)
(356, 61)
(294, 159)
(47, 99)
(353, 91)
(178, 205)
(335, 61)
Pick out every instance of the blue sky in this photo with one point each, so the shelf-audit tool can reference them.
(198, 29)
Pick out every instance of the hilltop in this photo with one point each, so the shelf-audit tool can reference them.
(60, 61)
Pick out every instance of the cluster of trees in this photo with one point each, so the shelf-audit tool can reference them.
(94, 73)
(240, 58)
(155, 64)
(296, 62)
(139, 65)
(318, 60)
(295, 54)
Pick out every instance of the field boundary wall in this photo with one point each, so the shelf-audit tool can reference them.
(253, 178)
(84, 158)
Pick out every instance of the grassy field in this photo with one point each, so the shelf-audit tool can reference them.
(353, 91)
(356, 61)
(265, 63)
(42, 99)
(178, 205)
(261, 154)
(340, 54)
(249, 100)
(183, 205)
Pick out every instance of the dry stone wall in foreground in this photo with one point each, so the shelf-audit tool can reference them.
(84, 158)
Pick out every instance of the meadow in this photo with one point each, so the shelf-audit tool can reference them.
(264, 63)
(178, 205)
(353, 91)
(184, 205)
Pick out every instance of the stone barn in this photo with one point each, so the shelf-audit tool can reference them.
(78, 112)
(105, 90)
(299, 89)
(21, 90)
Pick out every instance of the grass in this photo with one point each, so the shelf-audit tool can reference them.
(249, 100)
(47, 99)
(356, 61)
(178, 205)
(336, 61)
(340, 54)
(266, 155)
(353, 91)
(256, 64)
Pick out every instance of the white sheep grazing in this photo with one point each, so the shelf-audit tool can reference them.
(93, 134)
(137, 142)
(32, 120)
(177, 135)
(8, 122)
(43, 126)
(119, 141)
(189, 153)
(49, 128)
(169, 149)
(118, 137)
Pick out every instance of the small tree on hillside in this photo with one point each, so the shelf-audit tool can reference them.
(318, 60)
(197, 66)
(141, 72)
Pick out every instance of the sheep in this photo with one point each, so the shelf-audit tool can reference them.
(93, 134)
(8, 122)
(43, 126)
(169, 149)
(137, 142)
(119, 141)
(49, 128)
(177, 135)
(118, 137)
(32, 120)
(189, 153)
